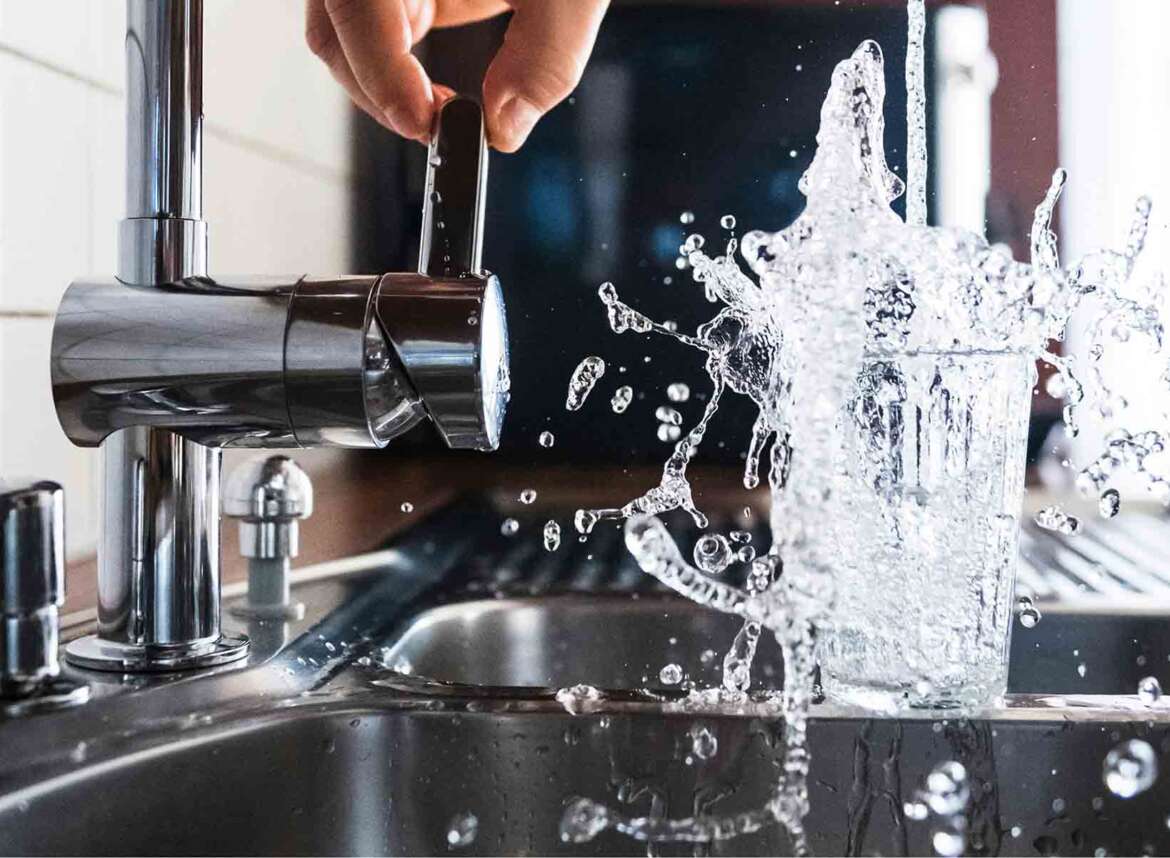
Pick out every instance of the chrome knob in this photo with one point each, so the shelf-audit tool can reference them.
(32, 588)
(269, 496)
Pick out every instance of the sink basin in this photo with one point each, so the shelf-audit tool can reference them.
(610, 641)
(621, 643)
(316, 747)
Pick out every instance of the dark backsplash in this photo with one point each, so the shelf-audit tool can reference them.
(685, 108)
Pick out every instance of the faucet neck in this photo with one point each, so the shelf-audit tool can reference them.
(163, 237)
(159, 554)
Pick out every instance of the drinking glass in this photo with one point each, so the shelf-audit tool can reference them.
(925, 521)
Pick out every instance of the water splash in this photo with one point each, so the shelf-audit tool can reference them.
(577, 698)
(583, 380)
(810, 338)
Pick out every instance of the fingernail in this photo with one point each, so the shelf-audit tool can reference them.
(517, 117)
(408, 125)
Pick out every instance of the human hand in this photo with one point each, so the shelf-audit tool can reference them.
(366, 44)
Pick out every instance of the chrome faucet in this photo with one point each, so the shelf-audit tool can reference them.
(164, 367)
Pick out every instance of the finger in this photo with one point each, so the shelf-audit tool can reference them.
(376, 38)
(456, 14)
(443, 94)
(322, 41)
(544, 53)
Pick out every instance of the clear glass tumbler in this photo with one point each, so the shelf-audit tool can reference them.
(926, 525)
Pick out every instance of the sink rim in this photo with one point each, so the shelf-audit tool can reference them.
(1016, 706)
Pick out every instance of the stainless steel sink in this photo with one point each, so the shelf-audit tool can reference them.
(316, 747)
(612, 641)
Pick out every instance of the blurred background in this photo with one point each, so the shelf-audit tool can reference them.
(709, 108)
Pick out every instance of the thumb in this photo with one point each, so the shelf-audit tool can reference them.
(544, 53)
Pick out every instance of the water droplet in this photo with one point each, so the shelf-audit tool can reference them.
(668, 432)
(528, 496)
(583, 820)
(1016, 831)
(707, 656)
(547, 439)
(947, 842)
(407, 506)
(1130, 768)
(947, 791)
(666, 414)
(1055, 519)
(1149, 690)
(678, 392)
(1029, 613)
(79, 752)
(727, 221)
(584, 520)
(462, 829)
(576, 697)
(1081, 670)
(712, 553)
(509, 527)
(1109, 504)
(916, 810)
(583, 380)
(552, 535)
(686, 217)
(473, 320)
(670, 674)
(704, 745)
(436, 160)
(622, 397)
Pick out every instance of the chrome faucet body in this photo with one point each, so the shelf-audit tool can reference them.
(163, 366)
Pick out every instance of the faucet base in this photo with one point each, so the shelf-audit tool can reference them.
(95, 653)
(55, 693)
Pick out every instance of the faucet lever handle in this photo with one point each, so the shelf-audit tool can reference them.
(451, 244)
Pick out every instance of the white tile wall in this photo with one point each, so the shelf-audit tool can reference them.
(276, 185)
